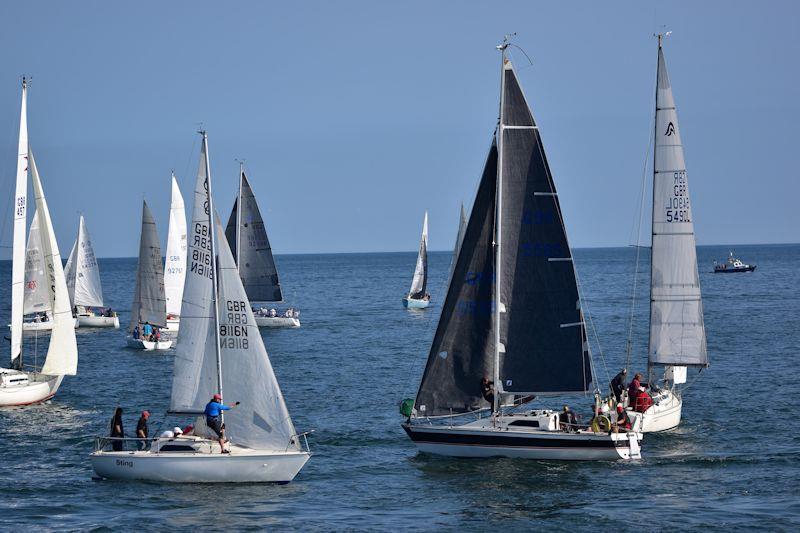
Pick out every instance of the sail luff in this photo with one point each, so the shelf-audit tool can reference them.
(175, 263)
(498, 235)
(20, 221)
(62, 352)
(677, 333)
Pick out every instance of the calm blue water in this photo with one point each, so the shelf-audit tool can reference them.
(733, 463)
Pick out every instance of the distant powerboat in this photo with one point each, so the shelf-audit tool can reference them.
(732, 265)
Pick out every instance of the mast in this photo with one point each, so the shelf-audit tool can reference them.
(498, 232)
(215, 292)
(653, 212)
(239, 216)
(20, 221)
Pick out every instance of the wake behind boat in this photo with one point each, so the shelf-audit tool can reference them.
(220, 348)
(511, 324)
(418, 297)
(732, 266)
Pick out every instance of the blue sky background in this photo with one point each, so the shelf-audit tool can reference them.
(356, 117)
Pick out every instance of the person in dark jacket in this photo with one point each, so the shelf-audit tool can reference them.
(142, 430)
(487, 391)
(618, 384)
(117, 430)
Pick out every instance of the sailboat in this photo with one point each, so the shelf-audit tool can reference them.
(418, 297)
(21, 385)
(247, 237)
(219, 348)
(175, 262)
(149, 303)
(677, 333)
(511, 327)
(83, 283)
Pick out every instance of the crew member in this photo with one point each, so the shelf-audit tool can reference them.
(213, 414)
(117, 430)
(487, 390)
(618, 384)
(141, 429)
(623, 420)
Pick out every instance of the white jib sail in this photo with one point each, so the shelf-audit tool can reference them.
(418, 282)
(37, 290)
(20, 221)
(83, 279)
(175, 263)
(677, 334)
(62, 354)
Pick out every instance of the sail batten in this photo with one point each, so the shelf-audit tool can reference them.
(149, 305)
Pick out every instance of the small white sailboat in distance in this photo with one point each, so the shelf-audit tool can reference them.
(247, 237)
(21, 384)
(149, 311)
(418, 297)
(175, 261)
(83, 283)
(220, 348)
(677, 333)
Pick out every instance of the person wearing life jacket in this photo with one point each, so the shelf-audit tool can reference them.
(635, 389)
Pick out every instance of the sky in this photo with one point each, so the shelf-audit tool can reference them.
(354, 118)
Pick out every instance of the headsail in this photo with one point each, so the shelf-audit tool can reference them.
(37, 290)
(20, 221)
(62, 353)
(82, 271)
(149, 303)
(253, 253)
(175, 264)
(542, 333)
(419, 284)
(677, 333)
(462, 228)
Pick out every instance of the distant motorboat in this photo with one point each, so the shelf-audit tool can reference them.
(732, 265)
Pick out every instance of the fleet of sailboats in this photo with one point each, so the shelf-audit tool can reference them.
(418, 297)
(21, 383)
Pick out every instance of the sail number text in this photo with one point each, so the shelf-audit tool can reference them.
(677, 207)
(234, 333)
(201, 251)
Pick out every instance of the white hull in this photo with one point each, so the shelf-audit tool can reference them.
(277, 322)
(482, 439)
(38, 327)
(411, 303)
(139, 344)
(661, 416)
(173, 325)
(37, 388)
(240, 466)
(96, 321)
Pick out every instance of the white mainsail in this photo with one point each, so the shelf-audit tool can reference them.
(419, 282)
(149, 304)
(82, 271)
(62, 353)
(20, 221)
(677, 334)
(175, 262)
(37, 291)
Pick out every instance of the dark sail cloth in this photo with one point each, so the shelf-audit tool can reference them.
(116, 422)
(618, 386)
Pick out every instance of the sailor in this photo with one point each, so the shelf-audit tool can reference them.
(174, 432)
(213, 412)
(487, 390)
(117, 430)
(273, 313)
(567, 420)
(141, 430)
(634, 389)
(188, 430)
(618, 384)
(147, 330)
(623, 420)
(136, 332)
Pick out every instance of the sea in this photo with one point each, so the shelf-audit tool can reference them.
(732, 464)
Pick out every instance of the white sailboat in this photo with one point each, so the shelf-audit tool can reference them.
(418, 297)
(149, 311)
(83, 283)
(677, 333)
(175, 262)
(247, 238)
(21, 385)
(220, 348)
(511, 326)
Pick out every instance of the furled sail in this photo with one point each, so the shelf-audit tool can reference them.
(251, 248)
(149, 303)
(82, 271)
(677, 333)
(462, 351)
(542, 333)
(175, 264)
(62, 353)
(37, 291)
(20, 221)
(419, 284)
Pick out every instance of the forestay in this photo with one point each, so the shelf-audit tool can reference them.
(543, 347)
(82, 271)
(37, 292)
(677, 334)
(149, 303)
(62, 353)
(251, 248)
(419, 283)
(175, 263)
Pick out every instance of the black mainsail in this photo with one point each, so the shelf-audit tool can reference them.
(512, 313)
(247, 237)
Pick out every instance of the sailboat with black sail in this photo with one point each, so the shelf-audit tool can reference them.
(677, 333)
(511, 324)
(219, 347)
(247, 237)
(418, 297)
